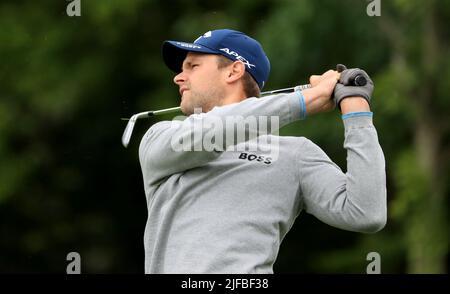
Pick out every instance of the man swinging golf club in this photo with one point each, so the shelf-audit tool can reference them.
(227, 209)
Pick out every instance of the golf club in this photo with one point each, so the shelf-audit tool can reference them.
(146, 114)
(358, 81)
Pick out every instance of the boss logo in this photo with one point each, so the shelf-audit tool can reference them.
(253, 157)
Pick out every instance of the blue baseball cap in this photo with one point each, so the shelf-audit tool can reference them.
(232, 44)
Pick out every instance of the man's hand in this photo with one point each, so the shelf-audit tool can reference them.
(318, 97)
(345, 88)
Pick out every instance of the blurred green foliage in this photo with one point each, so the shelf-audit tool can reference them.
(67, 184)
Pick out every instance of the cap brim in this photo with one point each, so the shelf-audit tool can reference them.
(174, 53)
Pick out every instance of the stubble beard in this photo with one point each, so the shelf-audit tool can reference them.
(203, 101)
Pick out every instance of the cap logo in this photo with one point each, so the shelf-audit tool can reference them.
(205, 35)
(238, 57)
(187, 45)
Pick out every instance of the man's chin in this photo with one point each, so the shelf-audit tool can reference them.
(186, 112)
(186, 109)
(189, 109)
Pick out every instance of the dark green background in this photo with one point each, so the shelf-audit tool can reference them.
(67, 184)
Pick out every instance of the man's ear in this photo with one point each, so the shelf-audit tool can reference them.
(235, 71)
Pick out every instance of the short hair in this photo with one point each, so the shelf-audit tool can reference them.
(251, 88)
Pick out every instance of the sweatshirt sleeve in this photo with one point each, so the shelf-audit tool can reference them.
(355, 200)
(171, 147)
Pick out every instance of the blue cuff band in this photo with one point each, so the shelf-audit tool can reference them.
(355, 114)
(302, 105)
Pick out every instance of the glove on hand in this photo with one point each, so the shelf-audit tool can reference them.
(346, 85)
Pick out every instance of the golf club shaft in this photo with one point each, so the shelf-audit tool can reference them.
(358, 81)
(176, 109)
(132, 121)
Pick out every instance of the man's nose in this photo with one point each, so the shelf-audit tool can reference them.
(179, 78)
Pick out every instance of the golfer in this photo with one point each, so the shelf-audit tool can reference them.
(226, 208)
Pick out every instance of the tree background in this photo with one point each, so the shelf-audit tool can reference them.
(67, 184)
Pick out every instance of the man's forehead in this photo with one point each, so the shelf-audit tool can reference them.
(195, 56)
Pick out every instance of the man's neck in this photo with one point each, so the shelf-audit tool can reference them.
(235, 97)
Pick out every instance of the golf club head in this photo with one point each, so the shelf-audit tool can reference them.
(126, 137)
(128, 131)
